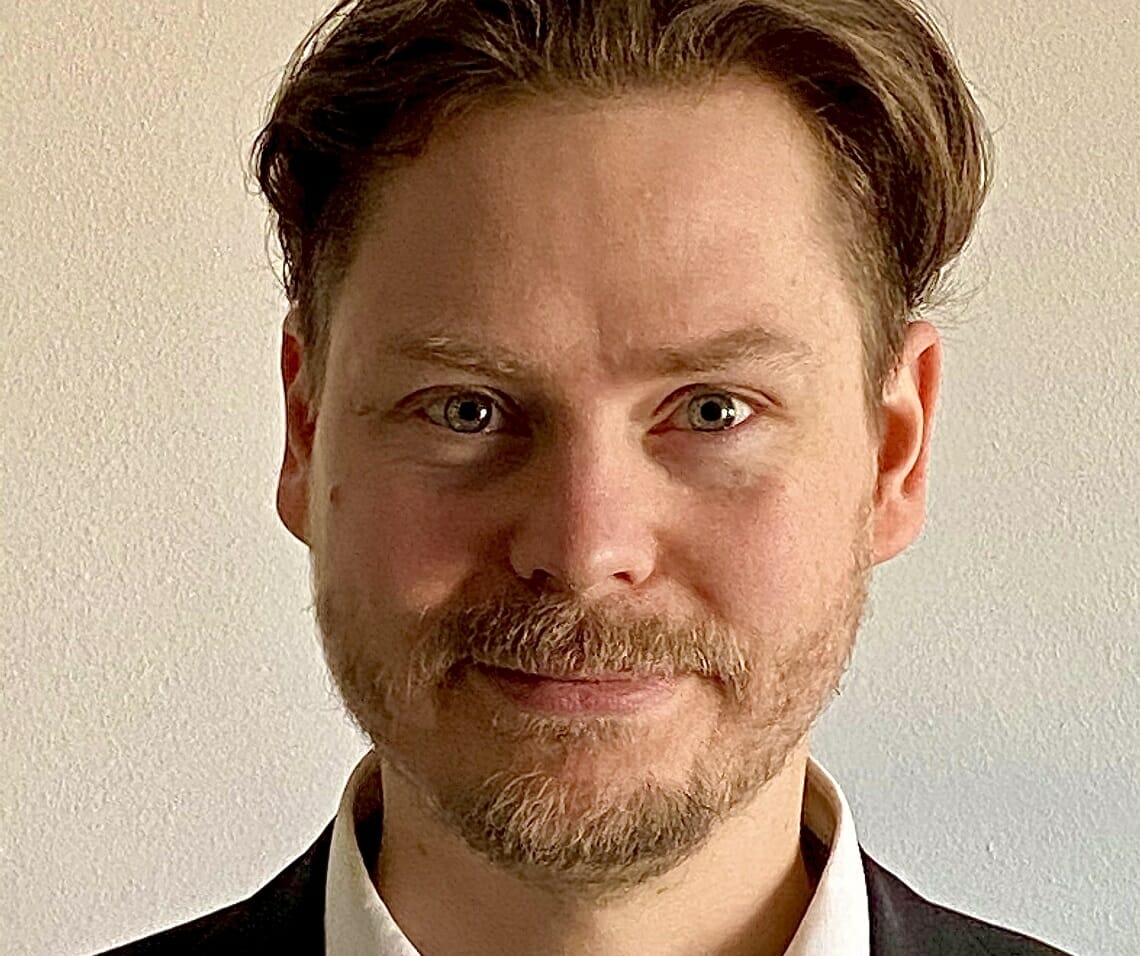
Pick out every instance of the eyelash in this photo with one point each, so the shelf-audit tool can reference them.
(754, 407)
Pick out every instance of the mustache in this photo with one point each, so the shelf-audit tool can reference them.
(560, 636)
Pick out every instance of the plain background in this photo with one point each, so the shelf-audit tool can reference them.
(170, 739)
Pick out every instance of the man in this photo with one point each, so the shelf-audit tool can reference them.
(605, 392)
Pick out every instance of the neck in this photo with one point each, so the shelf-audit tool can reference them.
(744, 892)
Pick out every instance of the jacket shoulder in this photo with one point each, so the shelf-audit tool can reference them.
(287, 914)
(906, 924)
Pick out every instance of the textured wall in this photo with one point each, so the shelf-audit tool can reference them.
(169, 737)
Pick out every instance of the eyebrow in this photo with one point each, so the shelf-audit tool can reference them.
(714, 353)
(724, 350)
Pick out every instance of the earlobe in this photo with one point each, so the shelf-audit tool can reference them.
(300, 427)
(907, 416)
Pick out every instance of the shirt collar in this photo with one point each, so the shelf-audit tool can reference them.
(836, 923)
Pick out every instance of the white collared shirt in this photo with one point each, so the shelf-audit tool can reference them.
(837, 922)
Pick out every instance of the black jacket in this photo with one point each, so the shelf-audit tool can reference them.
(287, 916)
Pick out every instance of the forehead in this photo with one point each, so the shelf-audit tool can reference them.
(654, 218)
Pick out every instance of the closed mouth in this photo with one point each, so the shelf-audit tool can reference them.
(586, 677)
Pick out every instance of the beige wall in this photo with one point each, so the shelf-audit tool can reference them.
(169, 736)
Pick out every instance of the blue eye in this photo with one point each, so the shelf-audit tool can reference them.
(465, 413)
(716, 412)
(471, 412)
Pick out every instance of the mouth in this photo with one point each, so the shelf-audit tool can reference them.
(580, 694)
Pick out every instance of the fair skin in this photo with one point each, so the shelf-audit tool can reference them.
(578, 242)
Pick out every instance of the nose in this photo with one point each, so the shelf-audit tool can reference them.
(587, 519)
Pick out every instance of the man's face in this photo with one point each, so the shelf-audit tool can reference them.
(591, 497)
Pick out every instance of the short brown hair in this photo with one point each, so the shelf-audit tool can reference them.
(873, 78)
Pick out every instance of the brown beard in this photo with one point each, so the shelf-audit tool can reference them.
(597, 836)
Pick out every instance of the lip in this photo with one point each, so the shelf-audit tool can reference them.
(585, 695)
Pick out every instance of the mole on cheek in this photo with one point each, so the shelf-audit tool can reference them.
(334, 495)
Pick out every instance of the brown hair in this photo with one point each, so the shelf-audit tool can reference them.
(873, 78)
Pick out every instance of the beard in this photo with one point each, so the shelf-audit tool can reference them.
(512, 798)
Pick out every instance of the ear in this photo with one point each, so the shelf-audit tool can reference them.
(907, 417)
(300, 427)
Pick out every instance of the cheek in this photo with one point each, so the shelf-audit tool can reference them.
(405, 543)
(776, 549)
